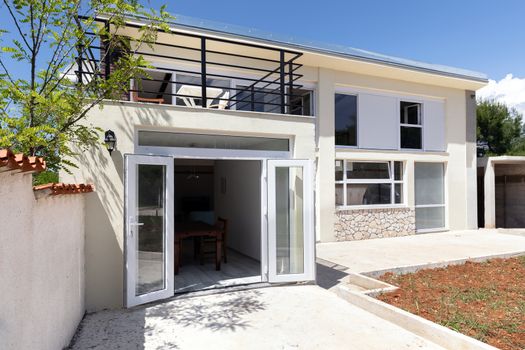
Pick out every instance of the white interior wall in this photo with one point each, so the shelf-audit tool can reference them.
(238, 199)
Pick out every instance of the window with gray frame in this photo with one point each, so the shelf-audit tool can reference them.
(345, 120)
(411, 125)
(368, 183)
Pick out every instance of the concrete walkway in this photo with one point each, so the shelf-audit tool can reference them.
(433, 248)
(289, 317)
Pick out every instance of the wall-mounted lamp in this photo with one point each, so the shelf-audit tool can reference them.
(110, 140)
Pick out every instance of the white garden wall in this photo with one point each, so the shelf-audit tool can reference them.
(41, 266)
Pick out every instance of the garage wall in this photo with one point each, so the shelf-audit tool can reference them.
(238, 199)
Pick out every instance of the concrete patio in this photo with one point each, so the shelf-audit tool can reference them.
(431, 249)
(288, 317)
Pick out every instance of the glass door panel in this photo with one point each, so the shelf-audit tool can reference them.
(290, 221)
(149, 228)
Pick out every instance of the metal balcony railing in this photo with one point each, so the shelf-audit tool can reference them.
(202, 71)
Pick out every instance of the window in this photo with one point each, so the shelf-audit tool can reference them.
(190, 90)
(264, 100)
(301, 102)
(345, 120)
(411, 126)
(368, 183)
(430, 196)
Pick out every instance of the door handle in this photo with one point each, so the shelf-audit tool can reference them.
(136, 224)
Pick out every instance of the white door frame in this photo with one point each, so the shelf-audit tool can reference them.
(308, 221)
(130, 238)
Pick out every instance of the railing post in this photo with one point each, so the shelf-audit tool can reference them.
(79, 64)
(290, 87)
(107, 58)
(252, 98)
(282, 78)
(203, 72)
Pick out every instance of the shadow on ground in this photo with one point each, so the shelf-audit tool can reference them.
(329, 274)
(159, 326)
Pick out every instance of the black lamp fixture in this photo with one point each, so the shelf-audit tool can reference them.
(110, 140)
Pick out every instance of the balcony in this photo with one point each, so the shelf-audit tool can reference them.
(193, 70)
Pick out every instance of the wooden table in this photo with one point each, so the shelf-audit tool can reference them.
(197, 229)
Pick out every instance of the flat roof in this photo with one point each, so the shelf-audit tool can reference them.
(289, 42)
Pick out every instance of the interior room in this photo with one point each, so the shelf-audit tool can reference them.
(223, 197)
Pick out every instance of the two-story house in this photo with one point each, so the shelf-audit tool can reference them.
(237, 152)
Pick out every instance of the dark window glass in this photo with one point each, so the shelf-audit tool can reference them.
(345, 120)
(301, 102)
(357, 170)
(367, 194)
(411, 137)
(398, 193)
(410, 113)
(264, 100)
(398, 170)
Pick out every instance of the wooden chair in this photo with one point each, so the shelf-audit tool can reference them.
(135, 98)
(223, 225)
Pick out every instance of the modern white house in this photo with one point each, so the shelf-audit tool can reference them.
(290, 143)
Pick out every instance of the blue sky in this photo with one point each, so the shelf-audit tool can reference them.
(487, 36)
(482, 35)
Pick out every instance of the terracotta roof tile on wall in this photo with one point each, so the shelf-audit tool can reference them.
(20, 162)
(60, 188)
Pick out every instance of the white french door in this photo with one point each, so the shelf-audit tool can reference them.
(291, 238)
(149, 215)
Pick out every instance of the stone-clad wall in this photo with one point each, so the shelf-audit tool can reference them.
(360, 224)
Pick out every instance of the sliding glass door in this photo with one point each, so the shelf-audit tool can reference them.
(290, 221)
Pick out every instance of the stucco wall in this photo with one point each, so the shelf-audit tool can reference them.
(41, 266)
(458, 157)
(105, 207)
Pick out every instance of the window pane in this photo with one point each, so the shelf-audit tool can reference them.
(429, 218)
(345, 120)
(398, 194)
(190, 85)
(301, 102)
(360, 170)
(339, 194)
(398, 171)
(410, 113)
(429, 183)
(289, 220)
(265, 100)
(367, 194)
(339, 172)
(151, 208)
(411, 137)
(172, 139)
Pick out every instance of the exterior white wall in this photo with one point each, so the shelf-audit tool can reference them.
(105, 208)
(241, 204)
(41, 266)
(458, 155)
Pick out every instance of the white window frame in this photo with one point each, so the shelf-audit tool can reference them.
(349, 93)
(405, 124)
(390, 180)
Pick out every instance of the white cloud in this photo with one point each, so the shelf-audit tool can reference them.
(509, 90)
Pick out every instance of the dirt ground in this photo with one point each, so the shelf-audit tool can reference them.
(482, 300)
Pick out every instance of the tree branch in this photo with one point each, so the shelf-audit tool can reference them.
(17, 24)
